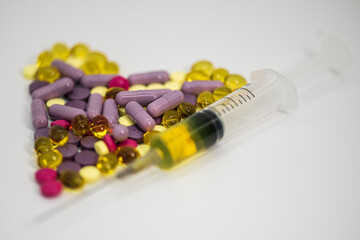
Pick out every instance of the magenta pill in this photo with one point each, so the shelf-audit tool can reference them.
(45, 175)
(60, 122)
(128, 142)
(79, 93)
(119, 81)
(149, 77)
(110, 143)
(36, 85)
(57, 111)
(140, 116)
(197, 87)
(51, 189)
(165, 103)
(67, 70)
(94, 80)
(56, 89)
(119, 132)
(94, 105)
(143, 97)
(38, 112)
(111, 111)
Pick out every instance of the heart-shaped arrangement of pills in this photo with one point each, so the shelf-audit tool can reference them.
(100, 120)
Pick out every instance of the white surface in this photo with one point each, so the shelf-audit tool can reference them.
(293, 176)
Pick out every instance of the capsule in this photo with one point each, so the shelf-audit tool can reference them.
(197, 87)
(140, 116)
(119, 132)
(165, 103)
(143, 97)
(67, 70)
(149, 77)
(94, 106)
(111, 112)
(57, 111)
(54, 90)
(38, 112)
(94, 80)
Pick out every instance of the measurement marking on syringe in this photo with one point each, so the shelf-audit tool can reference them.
(249, 92)
(226, 107)
(248, 97)
(232, 101)
(240, 101)
(242, 97)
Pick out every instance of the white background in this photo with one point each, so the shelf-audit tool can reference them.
(291, 176)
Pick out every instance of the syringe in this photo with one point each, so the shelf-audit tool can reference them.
(268, 91)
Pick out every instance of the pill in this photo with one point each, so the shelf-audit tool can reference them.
(220, 74)
(51, 189)
(79, 50)
(41, 132)
(136, 133)
(170, 118)
(79, 93)
(60, 122)
(45, 58)
(67, 70)
(153, 86)
(205, 99)
(203, 66)
(110, 143)
(80, 104)
(186, 109)
(53, 101)
(101, 148)
(127, 154)
(73, 138)
(158, 120)
(96, 80)
(64, 112)
(122, 111)
(126, 121)
(178, 76)
(68, 166)
(143, 97)
(100, 90)
(137, 87)
(94, 105)
(90, 174)
(159, 128)
(165, 103)
(140, 116)
(88, 142)
(128, 142)
(111, 68)
(107, 163)
(29, 71)
(190, 98)
(235, 81)
(71, 179)
(119, 81)
(36, 85)
(45, 175)
(99, 126)
(38, 112)
(80, 125)
(47, 73)
(54, 90)
(196, 75)
(60, 51)
(221, 92)
(58, 135)
(111, 111)
(75, 62)
(112, 92)
(143, 149)
(149, 77)
(43, 144)
(86, 158)
(197, 87)
(119, 132)
(68, 151)
(49, 159)
(173, 85)
(149, 135)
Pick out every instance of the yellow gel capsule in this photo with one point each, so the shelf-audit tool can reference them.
(149, 135)
(42, 145)
(196, 75)
(143, 149)
(50, 159)
(178, 76)
(111, 68)
(185, 110)
(170, 118)
(107, 163)
(203, 66)
(159, 128)
(126, 121)
(220, 74)
(137, 87)
(75, 62)
(101, 148)
(53, 101)
(71, 179)
(45, 59)
(58, 135)
(90, 174)
(173, 85)
(155, 86)
(60, 51)
(99, 58)
(29, 71)
(79, 50)
(235, 81)
(48, 74)
(91, 67)
(100, 90)
(205, 99)
(221, 92)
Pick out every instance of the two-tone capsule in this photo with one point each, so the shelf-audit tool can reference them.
(111, 111)
(149, 77)
(94, 106)
(67, 70)
(197, 87)
(56, 89)
(94, 80)
(140, 116)
(64, 112)
(143, 97)
(39, 115)
(165, 103)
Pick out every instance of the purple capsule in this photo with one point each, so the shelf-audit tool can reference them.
(111, 111)
(77, 104)
(165, 103)
(39, 115)
(67, 70)
(119, 132)
(35, 85)
(190, 98)
(143, 97)
(56, 89)
(57, 111)
(197, 87)
(94, 105)
(149, 77)
(79, 93)
(140, 116)
(96, 80)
